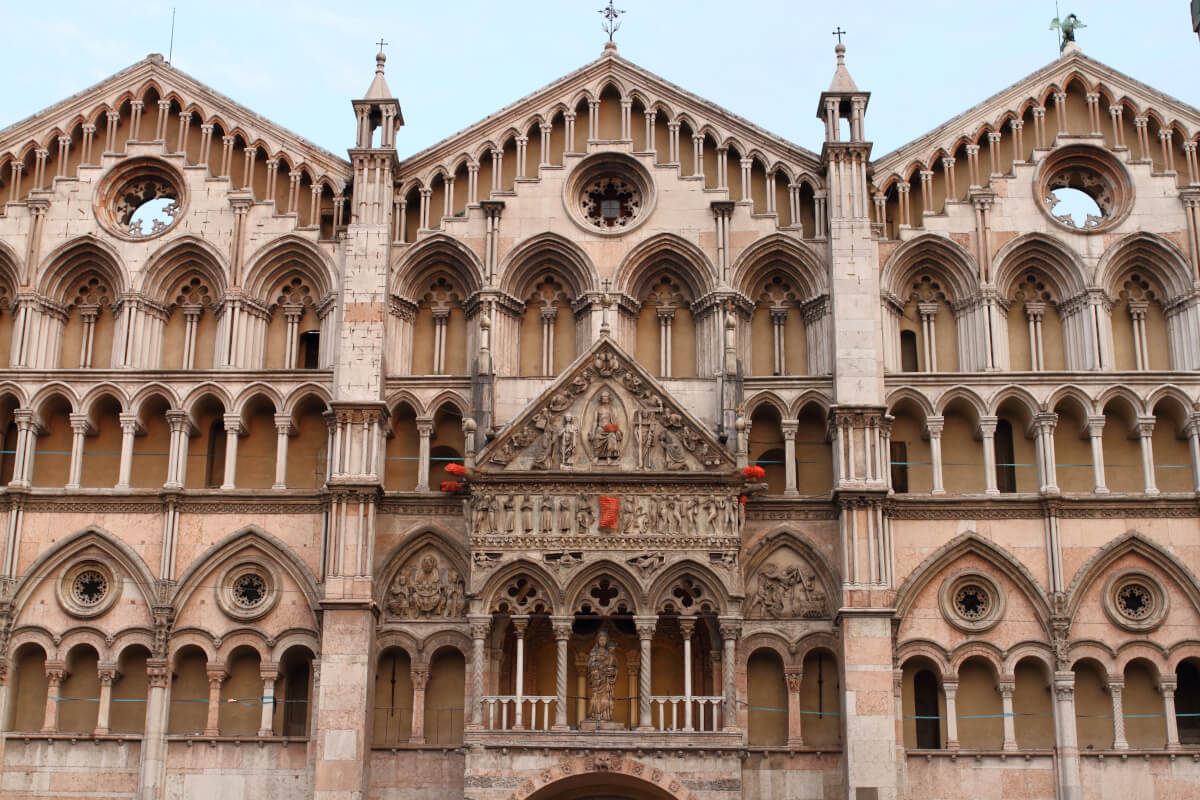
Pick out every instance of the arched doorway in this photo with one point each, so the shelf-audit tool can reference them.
(603, 777)
(601, 786)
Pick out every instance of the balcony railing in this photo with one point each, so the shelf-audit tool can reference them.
(681, 713)
(502, 712)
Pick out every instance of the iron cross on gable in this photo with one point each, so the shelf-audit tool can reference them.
(610, 25)
(381, 44)
(839, 33)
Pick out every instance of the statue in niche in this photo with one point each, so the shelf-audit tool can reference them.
(787, 592)
(455, 603)
(564, 515)
(710, 516)
(546, 520)
(584, 516)
(602, 682)
(645, 431)
(485, 515)
(510, 514)
(606, 436)
(427, 596)
(568, 438)
(526, 514)
(643, 515)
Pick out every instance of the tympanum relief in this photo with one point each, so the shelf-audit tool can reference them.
(786, 587)
(424, 589)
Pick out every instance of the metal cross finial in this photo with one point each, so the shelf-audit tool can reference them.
(610, 24)
(381, 43)
(606, 283)
(839, 33)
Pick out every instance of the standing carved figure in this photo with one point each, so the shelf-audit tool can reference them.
(546, 522)
(510, 514)
(564, 515)
(568, 437)
(607, 435)
(527, 514)
(584, 516)
(602, 679)
(427, 596)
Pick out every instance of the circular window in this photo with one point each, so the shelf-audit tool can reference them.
(139, 199)
(609, 193)
(971, 601)
(88, 589)
(247, 590)
(1084, 188)
(1135, 600)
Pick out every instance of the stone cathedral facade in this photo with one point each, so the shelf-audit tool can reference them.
(613, 447)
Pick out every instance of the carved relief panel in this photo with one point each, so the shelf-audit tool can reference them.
(426, 587)
(786, 586)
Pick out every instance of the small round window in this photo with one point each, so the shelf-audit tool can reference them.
(609, 194)
(971, 601)
(611, 202)
(1135, 600)
(248, 590)
(140, 198)
(88, 588)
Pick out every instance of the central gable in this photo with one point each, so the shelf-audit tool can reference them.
(605, 416)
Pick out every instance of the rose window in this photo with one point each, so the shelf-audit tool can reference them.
(611, 202)
(972, 602)
(89, 588)
(140, 198)
(1135, 601)
(1083, 188)
(249, 590)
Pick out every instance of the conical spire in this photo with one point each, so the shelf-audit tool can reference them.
(379, 89)
(842, 82)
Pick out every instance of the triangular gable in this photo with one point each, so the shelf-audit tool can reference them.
(992, 110)
(589, 80)
(604, 416)
(172, 82)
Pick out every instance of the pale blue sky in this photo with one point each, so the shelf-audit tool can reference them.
(453, 62)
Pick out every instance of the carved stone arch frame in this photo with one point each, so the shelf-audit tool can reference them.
(87, 635)
(416, 540)
(192, 637)
(778, 538)
(817, 640)
(712, 587)
(627, 588)
(972, 543)
(772, 641)
(573, 773)
(1141, 650)
(1029, 650)
(440, 640)
(932, 652)
(227, 550)
(1096, 651)
(985, 651)
(1131, 542)
(33, 635)
(115, 553)
(245, 636)
(1182, 651)
(489, 598)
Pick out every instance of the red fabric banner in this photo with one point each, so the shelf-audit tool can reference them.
(610, 512)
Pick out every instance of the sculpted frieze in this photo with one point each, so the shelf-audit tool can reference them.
(786, 587)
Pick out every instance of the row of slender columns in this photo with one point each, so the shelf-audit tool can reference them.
(1043, 430)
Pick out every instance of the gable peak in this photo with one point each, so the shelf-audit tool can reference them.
(378, 90)
(842, 82)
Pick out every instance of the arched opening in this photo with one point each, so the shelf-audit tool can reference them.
(980, 711)
(666, 335)
(1172, 458)
(52, 459)
(102, 444)
(608, 122)
(912, 469)
(444, 697)
(601, 786)
(1005, 457)
(440, 330)
(392, 719)
(448, 440)
(1093, 707)
(1033, 705)
(778, 330)
(924, 709)
(909, 362)
(1072, 447)
(1187, 701)
(927, 313)
(767, 723)
(1139, 328)
(1020, 463)
(189, 693)
(962, 452)
(151, 445)
(79, 694)
(293, 693)
(129, 691)
(241, 694)
(1145, 728)
(1122, 451)
(256, 445)
(1035, 333)
(820, 700)
(767, 447)
(402, 452)
(307, 453)
(814, 452)
(206, 450)
(27, 703)
(547, 329)
(293, 317)
(310, 349)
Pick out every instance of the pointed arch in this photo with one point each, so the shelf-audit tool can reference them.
(666, 250)
(81, 254)
(1073, 393)
(436, 253)
(617, 573)
(177, 260)
(544, 252)
(426, 536)
(779, 252)
(765, 398)
(1131, 542)
(972, 543)
(63, 550)
(916, 397)
(1045, 254)
(490, 595)
(290, 253)
(248, 537)
(785, 536)
(1145, 251)
(303, 392)
(964, 393)
(689, 568)
(935, 253)
(1018, 394)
